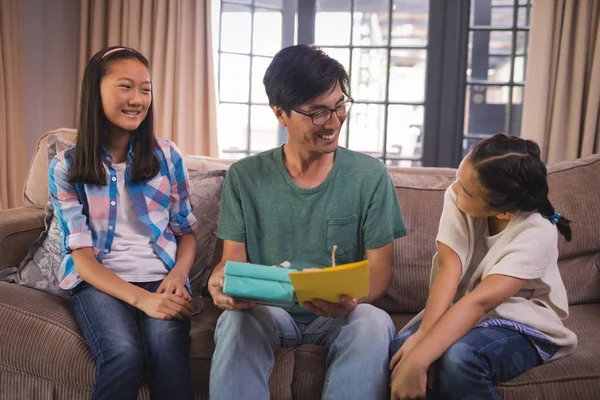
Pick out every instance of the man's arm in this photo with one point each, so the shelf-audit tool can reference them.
(232, 251)
(380, 272)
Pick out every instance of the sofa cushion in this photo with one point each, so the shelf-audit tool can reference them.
(574, 191)
(35, 192)
(574, 376)
(205, 197)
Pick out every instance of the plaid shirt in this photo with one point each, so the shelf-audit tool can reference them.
(87, 214)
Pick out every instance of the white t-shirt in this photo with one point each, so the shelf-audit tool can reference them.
(132, 255)
(526, 249)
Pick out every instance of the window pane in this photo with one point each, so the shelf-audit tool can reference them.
(233, 126)
(489, 56)
(269, 3)
(486, 109)
(371, 22)
(405, 130)
(234, 78)
(235, 28)
(332, 23)
(265, 129)
(267, 32)
(369, 74)
(522, 43)
(342, 55)
(367, 128)
(407, 75)
(519, 74)
(410, 23)
(259, 67)
(524, 18)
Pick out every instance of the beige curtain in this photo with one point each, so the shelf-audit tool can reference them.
(561, 109)
(13, 151)
(175, 35)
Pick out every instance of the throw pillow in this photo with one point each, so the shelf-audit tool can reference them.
(206, 187)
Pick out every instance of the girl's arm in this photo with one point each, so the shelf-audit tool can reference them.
(162, 306)
(459, 319)
(440, 297)
(175, 281)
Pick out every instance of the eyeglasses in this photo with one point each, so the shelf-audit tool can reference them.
(321, 117)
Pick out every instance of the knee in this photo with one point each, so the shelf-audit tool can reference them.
(459, 364)
(125, 356)
(373, 322)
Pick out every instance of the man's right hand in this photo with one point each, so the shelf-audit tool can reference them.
(165, 306)
(221, 300)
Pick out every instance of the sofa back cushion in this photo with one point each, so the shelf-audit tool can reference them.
(421, 195)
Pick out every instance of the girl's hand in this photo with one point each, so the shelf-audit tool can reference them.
(175, 283)
(165, 306)
(409, 380)
(406, 348)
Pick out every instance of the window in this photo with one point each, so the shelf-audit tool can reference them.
(250, 33)
(383, 45)
(497, 58)
(429, 78)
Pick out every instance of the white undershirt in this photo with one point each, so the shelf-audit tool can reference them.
(132, 255)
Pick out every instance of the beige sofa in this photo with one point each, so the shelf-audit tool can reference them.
(43, 355)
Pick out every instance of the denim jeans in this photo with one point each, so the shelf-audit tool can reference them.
(127, 345)
(471, 367)
(357, 352)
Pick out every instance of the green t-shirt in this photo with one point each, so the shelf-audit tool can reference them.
(355, 208)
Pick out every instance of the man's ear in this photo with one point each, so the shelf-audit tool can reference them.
(280, 115)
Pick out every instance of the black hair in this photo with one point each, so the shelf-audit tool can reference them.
(92, 126)
(514, 177)
(300, 73)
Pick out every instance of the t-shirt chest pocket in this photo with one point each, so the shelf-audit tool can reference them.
(344, 233)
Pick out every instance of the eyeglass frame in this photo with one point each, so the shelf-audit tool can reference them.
(331, 111)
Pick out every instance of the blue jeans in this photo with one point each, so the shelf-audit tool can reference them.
(357, 352)
(126, 343)
(471, 367)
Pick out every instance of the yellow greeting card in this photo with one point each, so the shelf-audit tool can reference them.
(330, 283)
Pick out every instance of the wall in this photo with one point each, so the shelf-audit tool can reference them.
(50, 57)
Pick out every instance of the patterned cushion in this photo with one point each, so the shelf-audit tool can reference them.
(206, 189)
(39, 269)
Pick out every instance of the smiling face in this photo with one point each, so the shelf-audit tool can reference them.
(310, 138)
(126, 94)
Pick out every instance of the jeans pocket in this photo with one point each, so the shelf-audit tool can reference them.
(343, 233)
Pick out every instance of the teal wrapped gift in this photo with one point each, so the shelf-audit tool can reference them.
(260, 283)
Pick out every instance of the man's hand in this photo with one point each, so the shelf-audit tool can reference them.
(332, 310)
(175, 283)
(165, 306)
(224, 302)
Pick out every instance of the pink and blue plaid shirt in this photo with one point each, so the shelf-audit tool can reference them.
(87, 214)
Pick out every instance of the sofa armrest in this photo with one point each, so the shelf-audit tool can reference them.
(19, 228)
(39, 338)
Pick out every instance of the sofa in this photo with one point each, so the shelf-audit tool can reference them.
(43, 355)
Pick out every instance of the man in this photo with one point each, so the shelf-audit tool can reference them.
(294, 203)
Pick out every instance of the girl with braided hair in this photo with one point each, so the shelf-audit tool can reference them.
(497, 300)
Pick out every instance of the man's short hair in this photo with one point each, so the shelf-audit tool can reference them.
(300, 73)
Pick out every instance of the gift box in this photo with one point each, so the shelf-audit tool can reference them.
(268, 285)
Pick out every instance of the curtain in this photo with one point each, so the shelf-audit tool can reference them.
(13, 151)
(176, 38)
(561, 108)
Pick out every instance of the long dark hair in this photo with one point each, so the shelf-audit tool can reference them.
(515, 177)
(92, 127)
(300, 73)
